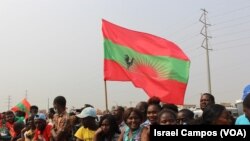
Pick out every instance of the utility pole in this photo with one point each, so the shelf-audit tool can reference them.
(26, 94)
(48, 105)
(9, 98)
(205, 45)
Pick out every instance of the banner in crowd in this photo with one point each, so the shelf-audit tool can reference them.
(24, 106)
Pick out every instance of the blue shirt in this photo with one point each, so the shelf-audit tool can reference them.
(242, 120)
(136, 135)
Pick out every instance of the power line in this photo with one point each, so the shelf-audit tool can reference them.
(230, 26)
(180, 29)
(231, 34)
(192, 49)
(223, 42)
(231, 11)
(184, 28)
(188, 38)
(231, 47)
(234, 19)
(195, 56)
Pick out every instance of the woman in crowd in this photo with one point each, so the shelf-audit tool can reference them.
(108, 129)
(133, 131)
(153, 109)
(167, 117)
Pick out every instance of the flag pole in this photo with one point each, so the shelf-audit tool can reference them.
(106, 95)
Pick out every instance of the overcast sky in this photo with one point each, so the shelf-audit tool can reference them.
(55, 47)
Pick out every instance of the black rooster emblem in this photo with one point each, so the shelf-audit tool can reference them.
(129, 61)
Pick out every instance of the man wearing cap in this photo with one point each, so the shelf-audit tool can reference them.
(245, 118)
(43, 130)
(87, 131)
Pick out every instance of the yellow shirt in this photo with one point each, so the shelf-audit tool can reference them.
(29, 135)
(85, 134)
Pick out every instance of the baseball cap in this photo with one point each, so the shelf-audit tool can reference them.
(40, 116)
(87, 112)
(246, 92)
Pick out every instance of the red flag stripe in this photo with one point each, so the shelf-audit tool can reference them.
(110, 68)
(14, 109)
(169, 91)
(26, 104)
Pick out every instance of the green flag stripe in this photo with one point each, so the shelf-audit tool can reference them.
(167, 67)
(22, 107)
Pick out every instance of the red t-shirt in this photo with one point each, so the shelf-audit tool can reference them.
(46, 133)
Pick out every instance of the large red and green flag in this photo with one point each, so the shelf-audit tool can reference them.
(152, 63)
(24, 106)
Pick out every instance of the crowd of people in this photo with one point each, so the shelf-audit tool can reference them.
(119, 124)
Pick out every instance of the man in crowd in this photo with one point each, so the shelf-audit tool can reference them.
(10, 120)
(118, 114)
(205, 100)
(245, 118)
(62, 127)
(33, 110)
(43, 129)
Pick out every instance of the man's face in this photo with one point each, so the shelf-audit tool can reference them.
(141, 108)
(181, 118)
(247, 113)
(30, 123)
(204, 102)
(56, 107)
(10, 118)
(117, 112)
(40, 124)
(33, 112)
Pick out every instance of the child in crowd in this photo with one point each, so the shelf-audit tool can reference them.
(87, 131)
